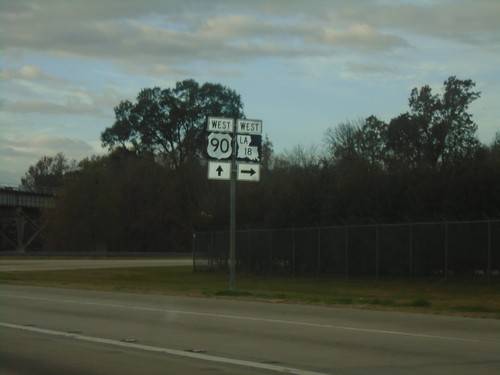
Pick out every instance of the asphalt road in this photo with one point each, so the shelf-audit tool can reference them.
(48, 331)
(28, 264)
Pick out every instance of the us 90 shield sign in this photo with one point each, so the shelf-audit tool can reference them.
(220, 146)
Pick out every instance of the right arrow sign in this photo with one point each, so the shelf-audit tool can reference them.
(248, 172)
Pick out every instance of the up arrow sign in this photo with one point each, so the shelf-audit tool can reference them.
(248, 172)
(219, 170)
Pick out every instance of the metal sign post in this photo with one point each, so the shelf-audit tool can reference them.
(232, 220)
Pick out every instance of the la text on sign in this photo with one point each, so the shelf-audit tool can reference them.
(249, 147)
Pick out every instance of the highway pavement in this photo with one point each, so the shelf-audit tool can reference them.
(29, 264)
(48, 331)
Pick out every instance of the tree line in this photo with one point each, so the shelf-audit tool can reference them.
(151, 189)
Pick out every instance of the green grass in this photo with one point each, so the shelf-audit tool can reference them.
(466, 298)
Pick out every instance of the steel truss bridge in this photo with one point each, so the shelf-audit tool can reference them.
(20, 216)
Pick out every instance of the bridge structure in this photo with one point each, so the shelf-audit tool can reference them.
(21, 216)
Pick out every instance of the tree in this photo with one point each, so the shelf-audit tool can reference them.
(48, 172)
(409, 162)
(372, 140)
(267, 154)
(495, 145)
(299, 157)
(167, 126)
(360, 140)
(86, 215)
(170, 123)
(342, 142)
(438, 130)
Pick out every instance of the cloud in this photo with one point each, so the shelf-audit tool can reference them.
(175, 37)
(50, 108)
(370, 68)
(459, 21)
(171, 33)
(17, 154)
(29, 147)
(364, 38)
(29, 89)
(29, 73)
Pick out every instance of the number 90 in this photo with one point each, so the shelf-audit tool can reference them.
(222, 145)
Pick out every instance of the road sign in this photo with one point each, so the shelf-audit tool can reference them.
(220, 145)
(220, 124)
(249, 126)
(219, 170)
(248, 172)
(249, 147)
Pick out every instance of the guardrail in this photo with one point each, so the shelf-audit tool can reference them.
(92, 254)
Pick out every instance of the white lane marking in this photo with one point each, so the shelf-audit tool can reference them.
(157, 349)
(249, 318)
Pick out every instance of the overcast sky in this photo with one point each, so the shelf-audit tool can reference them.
(301, 66)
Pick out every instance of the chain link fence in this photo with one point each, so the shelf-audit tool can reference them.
(406, 250)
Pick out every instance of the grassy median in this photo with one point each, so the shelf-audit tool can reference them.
(456, 297)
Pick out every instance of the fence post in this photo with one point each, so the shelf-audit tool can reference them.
(293, 251)
(212, 250)
(489, 251)
(446, 251)
(194, 251)
(249, 250)
(319, 251)
(347, 252)
(376, 253)
(411, 252)
(270, 251)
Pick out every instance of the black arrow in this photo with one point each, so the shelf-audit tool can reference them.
(219, 170)
(251, 172)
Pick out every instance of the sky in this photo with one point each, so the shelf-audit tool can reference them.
(300, 66)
